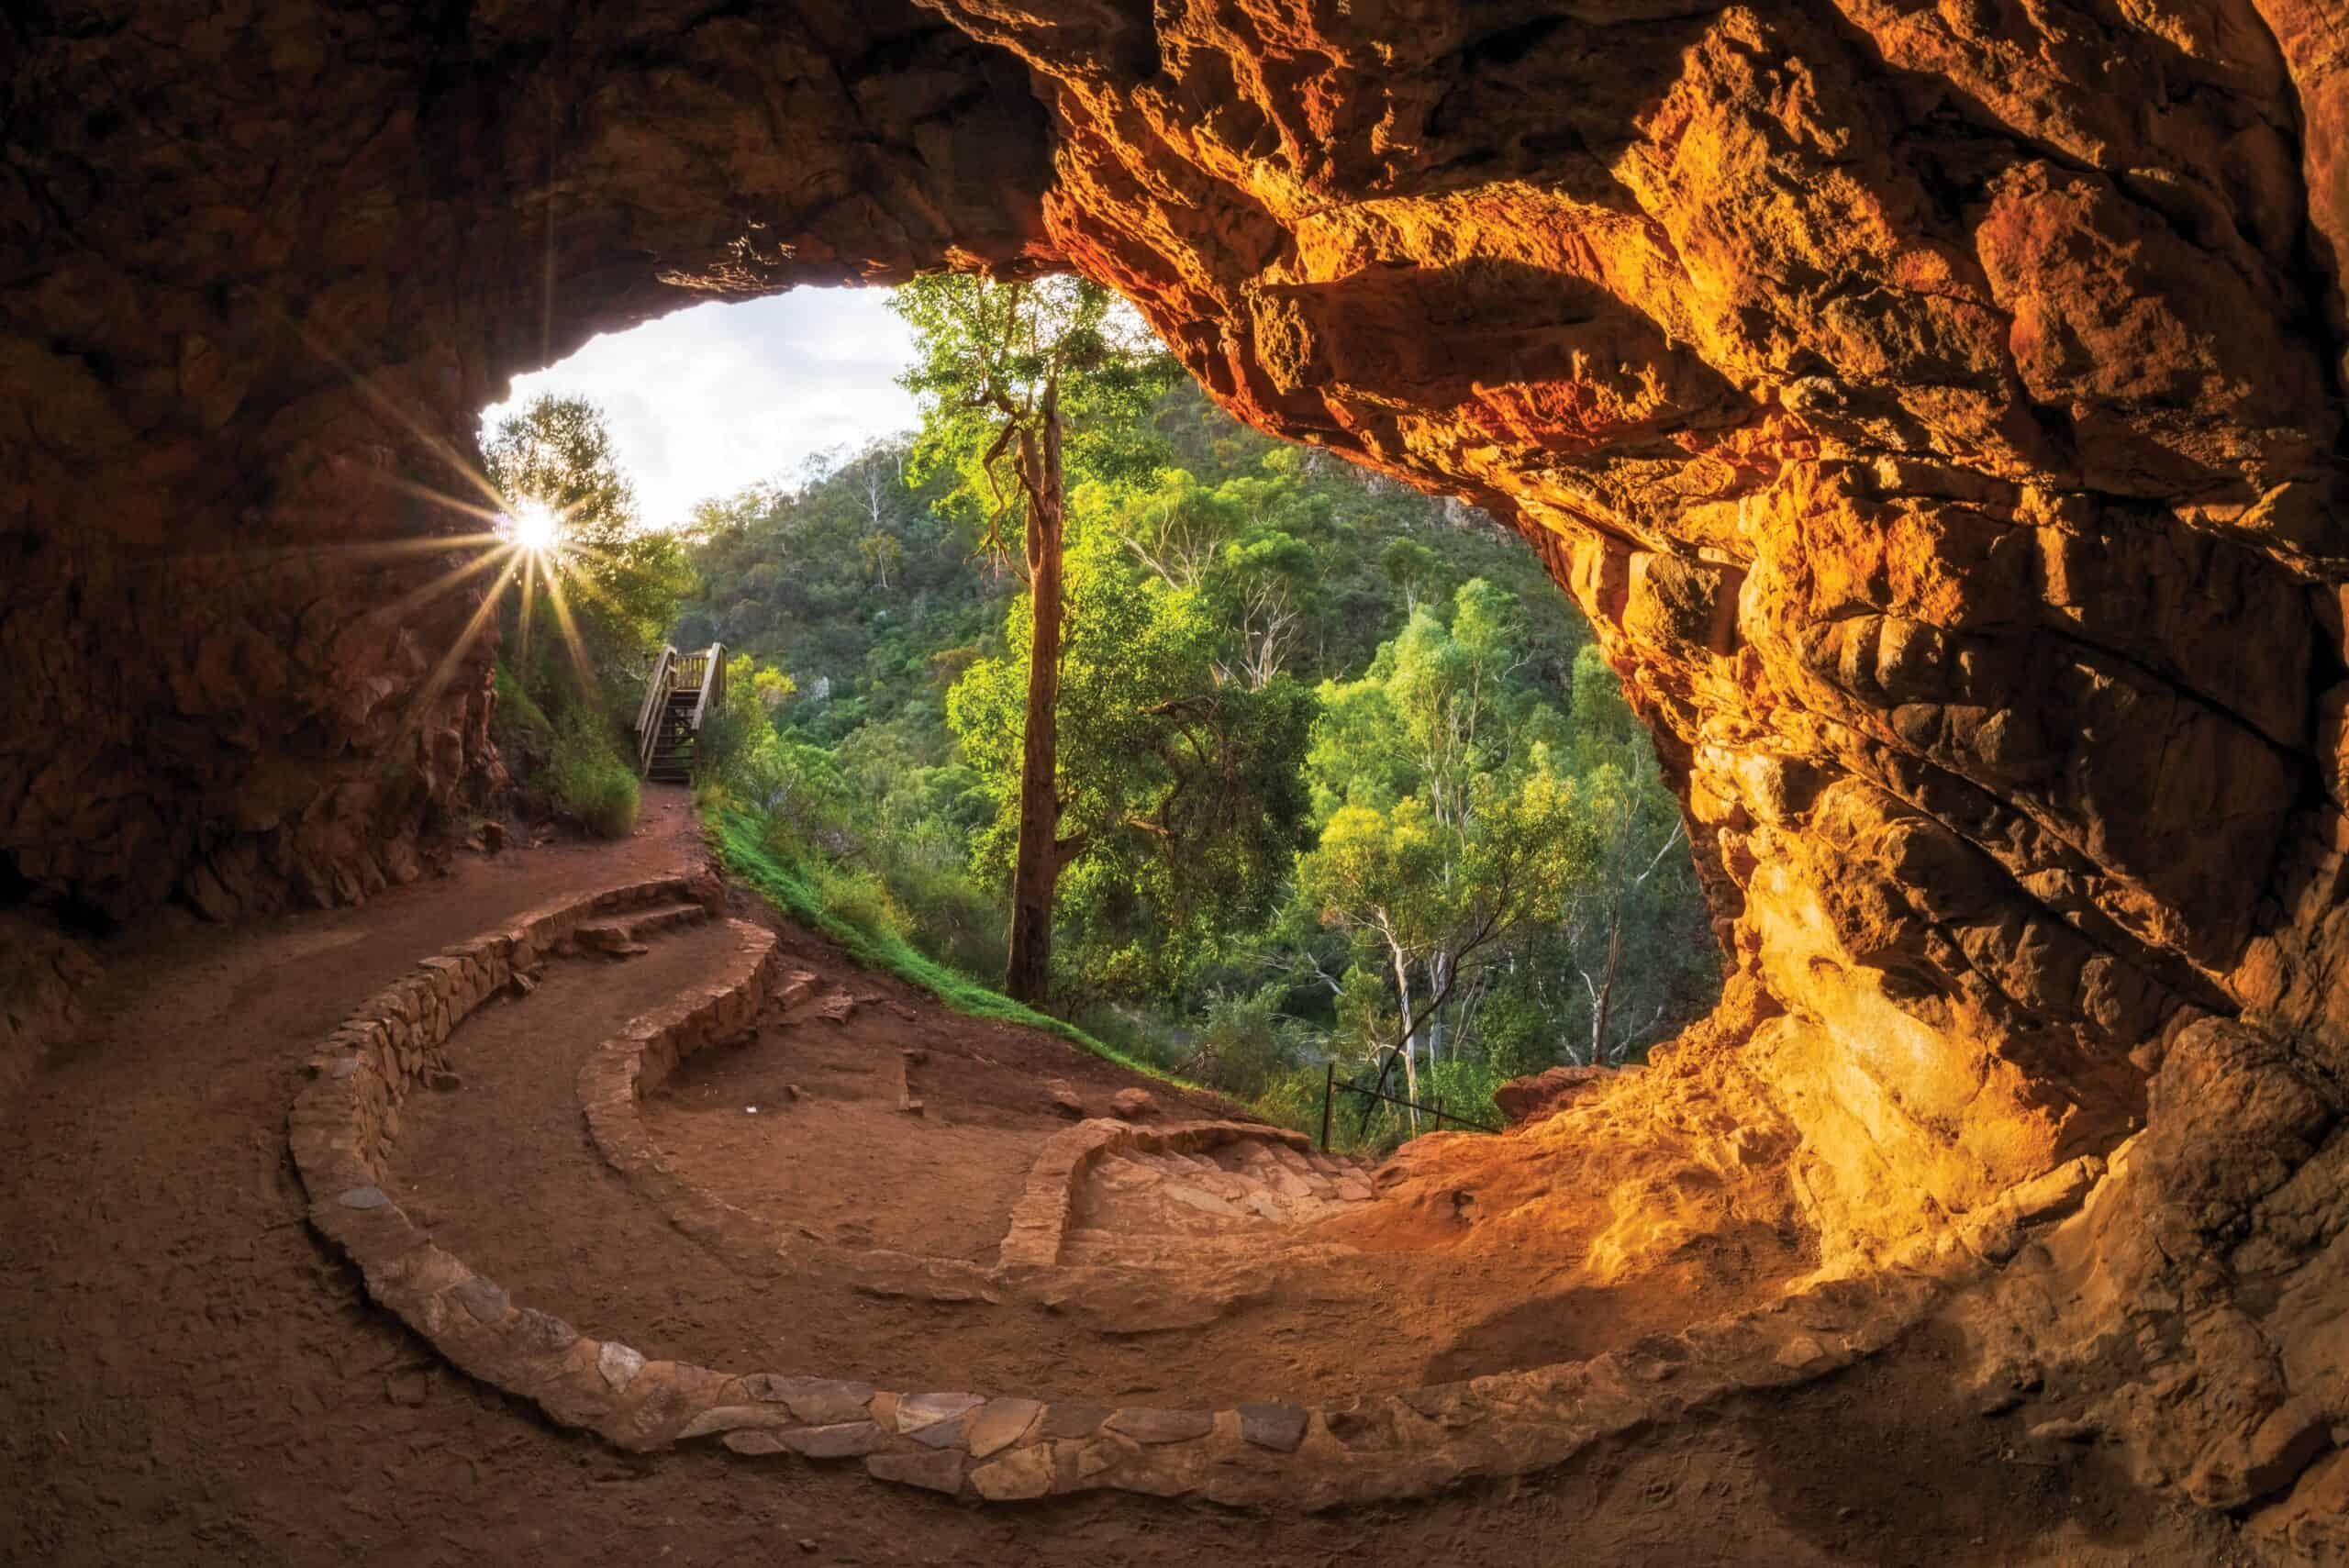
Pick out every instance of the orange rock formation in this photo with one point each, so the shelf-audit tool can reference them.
(1935, 409)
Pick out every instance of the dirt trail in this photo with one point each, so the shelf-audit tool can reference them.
(185, 1377)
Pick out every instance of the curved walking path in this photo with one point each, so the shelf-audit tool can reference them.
(186, 1375)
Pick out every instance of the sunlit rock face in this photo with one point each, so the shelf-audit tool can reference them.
(1943, 443)
(262, 263)
(1935, 409)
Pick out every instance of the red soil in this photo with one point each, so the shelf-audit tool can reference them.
(186, 1377)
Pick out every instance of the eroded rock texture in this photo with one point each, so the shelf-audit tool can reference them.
(1935, 408)
(260, 265)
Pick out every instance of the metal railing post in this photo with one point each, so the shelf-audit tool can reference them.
(1329, 1093)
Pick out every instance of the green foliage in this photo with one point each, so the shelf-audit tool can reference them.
(1179, 793)
(588, 773)
(738, 735)
(1449, 832)
(518, 725)
(783, 577)
(991, 351)
(1260, 638)
(1246, 1042)
(745, 846)
(618, 583)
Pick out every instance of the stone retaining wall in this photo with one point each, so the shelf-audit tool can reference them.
(618, 1074)
(1040, 1220)
(962, 1443)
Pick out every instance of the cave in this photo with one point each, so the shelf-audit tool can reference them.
(1935, 412)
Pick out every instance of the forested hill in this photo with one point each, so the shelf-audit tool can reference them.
(856, 584)
(1411, 803)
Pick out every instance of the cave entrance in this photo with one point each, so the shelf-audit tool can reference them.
(1420, 706)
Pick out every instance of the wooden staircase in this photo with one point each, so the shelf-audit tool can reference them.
(683, 690)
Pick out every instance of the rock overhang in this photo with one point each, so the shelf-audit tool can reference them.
(1933, 411)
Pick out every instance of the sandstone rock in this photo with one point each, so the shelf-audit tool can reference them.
(845, 1439)
(1279, 1428)
(610, 939)
(735, 1417)
(1133, 1104)
(1146, 1425)
(1072, 1420)
(1529, 1099)
(1020, 1474)
(915, 1411)
(818, 1401)
(2243, 1468)
(931, 1472)
(2313, 1521)
(484, 1299)
(618, 1364)
(1000, 1423)
(1066, 1100)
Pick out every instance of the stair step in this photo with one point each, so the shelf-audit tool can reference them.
(664, 918)
(625, 934)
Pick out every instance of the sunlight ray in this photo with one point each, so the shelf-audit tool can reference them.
(443, 671)
(446, 582)
(439, 446)
(530, 599)
(372, 550)
(580, 664)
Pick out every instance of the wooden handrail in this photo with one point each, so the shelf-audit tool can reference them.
(703, 673)
(713, 681)
(648, 715)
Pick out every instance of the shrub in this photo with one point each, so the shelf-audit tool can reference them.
(589, 775)
(1246, 1042)
(519, 726)
(749, 850)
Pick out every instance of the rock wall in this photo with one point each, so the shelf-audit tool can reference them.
(1932, 411)
(264, 264)
(1936, 410)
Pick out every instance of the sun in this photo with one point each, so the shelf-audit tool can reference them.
(532, 526)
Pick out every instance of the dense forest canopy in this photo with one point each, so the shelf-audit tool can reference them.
(1416, 815)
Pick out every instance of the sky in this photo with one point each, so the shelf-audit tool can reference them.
(706, 401)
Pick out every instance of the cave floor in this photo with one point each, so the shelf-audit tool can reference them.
(184, 1376)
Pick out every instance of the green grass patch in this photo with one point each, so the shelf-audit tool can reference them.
(739, 839)
(587, 773)
(518, 716)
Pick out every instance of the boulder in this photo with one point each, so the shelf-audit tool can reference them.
(1541, 1094)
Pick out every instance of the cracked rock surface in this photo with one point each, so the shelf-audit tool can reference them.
(1935, 411)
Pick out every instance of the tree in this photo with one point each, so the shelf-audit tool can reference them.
(611, 586)
(1449, 829)
(1178, 800)
(1635, 888)
(1003, 369)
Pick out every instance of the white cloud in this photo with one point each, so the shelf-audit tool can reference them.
(709, 400)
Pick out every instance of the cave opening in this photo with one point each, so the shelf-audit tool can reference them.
(1931, 414)
(761, 477)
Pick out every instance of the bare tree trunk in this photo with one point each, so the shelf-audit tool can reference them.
(1410, 1030)
(1614, 943)
(1606, 995)
(1036, 872)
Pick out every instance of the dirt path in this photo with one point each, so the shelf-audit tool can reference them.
(185, 1378)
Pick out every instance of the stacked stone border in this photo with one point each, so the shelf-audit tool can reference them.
(618, 1074)
(1040, 1220)
(1005, 1448)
